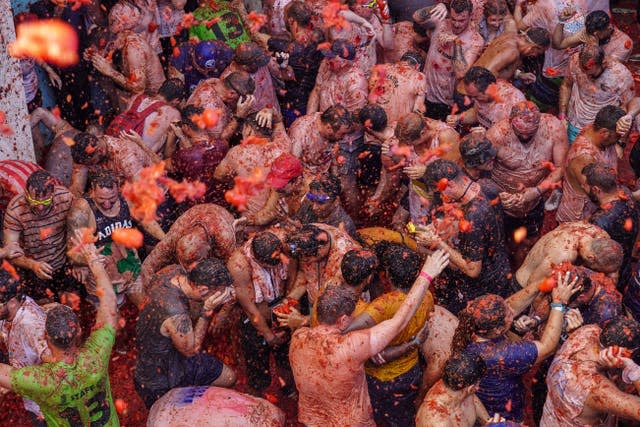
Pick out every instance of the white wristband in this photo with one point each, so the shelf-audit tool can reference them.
(631, 373)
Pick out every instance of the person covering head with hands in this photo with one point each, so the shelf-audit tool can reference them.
(73, 387)
(583, 380)
(482, 330)
(169, 345)
(328, 366)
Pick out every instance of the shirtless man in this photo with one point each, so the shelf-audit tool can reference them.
(328, 366)
(231, 98)
(121, 155)
(582, 388)
(151, 116)
(492, 99)
(102, 211)
(319, 249)
(260, 279)
(575, 242)
(531, 149)
(141, 69)
(455, 46)
(341, 82)
(598, 30)
(418, 140)
(314, 135)
(452, 401)
(202, 230)
(401, 88)
(504, 55)
(591, 83)
(596, 144)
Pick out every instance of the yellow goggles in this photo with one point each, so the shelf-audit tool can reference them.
(36, 202)
(372, 4)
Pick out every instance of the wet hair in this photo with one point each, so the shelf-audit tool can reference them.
(598, 20)
(591, 55)
(419, 29)
(252, 121)
(439, 169)
(414, 57)
(539, 36)
(460, 6)
(600, 176)
(482, 315)
(240, 82)
(190, 248)
(103, 178)
(357, 265)
(279, 43)
(621, 331)
(607, 118)
(409, 127)
(307, 241)
(401, 264)
(300, 12)
(376, 116)
(584, 281)
(41, 182)
(480, 77)
(10, 287)
(335, 302)
(62, 326)
(328, 184)
(263, 245)
(210, 272)
(609, 255)
(187, 113)
(463, 370)
(496, 7)
(79, 151)
(337, 116)
(173, 89)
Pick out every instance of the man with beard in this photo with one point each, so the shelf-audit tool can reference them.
(314, 136)
(36, 220)
(455, 46)
(530, 153)
(596, 144)
(592, 83)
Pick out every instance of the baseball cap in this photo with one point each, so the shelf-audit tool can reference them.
(250, 53)
(284, 169)
(212, 55)
(476, 151)
(340, 48)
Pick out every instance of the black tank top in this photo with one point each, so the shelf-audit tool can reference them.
(105, 224)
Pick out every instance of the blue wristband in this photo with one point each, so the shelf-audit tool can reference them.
(558, 306)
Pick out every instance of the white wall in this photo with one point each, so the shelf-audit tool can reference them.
(12, 101)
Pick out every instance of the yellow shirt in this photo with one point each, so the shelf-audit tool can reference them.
(383, 308)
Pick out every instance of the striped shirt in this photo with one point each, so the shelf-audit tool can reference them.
(13, 179)
(42, 238)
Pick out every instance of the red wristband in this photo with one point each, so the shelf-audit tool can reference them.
(426, 276)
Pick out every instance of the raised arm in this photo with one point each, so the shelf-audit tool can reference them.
(383, 333)
(560, 297)
(107, 312)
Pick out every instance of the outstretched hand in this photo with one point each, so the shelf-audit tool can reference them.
(566, 288)
(436, 263)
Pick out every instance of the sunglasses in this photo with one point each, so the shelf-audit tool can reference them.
(318, 198)
(36, 202)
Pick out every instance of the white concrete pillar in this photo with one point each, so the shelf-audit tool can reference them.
(12, 100)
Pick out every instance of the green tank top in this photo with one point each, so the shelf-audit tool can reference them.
(228, 27)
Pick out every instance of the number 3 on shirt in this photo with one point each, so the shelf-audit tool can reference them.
(97, 406)
(232, 27)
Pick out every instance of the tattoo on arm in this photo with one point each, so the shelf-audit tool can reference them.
(182, 323)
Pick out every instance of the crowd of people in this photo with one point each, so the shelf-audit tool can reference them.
(408, 214)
